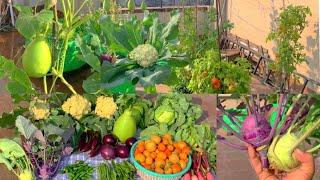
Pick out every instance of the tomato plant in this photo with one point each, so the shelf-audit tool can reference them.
(210, 75)
(291, 23)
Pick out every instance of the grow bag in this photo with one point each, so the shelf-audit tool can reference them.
(71, 61)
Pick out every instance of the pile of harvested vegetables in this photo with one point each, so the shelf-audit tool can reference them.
(111, 136)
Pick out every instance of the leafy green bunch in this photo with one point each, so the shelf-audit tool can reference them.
(184, 112)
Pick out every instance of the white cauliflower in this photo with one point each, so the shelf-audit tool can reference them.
(105, 107)
(77, 106)
(145, 55)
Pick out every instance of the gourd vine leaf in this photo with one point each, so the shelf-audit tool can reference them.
(32, 25)
(19, 85)
(7, 120)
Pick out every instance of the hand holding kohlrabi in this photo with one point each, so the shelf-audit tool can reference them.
(304, 171)
(275, 143)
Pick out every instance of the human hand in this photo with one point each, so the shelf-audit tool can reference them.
(304, 172)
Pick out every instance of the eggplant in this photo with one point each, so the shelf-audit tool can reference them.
(95, 151)
(88, 145)
(82, 141)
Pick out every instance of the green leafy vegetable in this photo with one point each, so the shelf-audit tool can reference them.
(199, 137)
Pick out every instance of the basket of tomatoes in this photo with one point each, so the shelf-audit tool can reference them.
(161, 158)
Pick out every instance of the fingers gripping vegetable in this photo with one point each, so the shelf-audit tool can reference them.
(36, 59)
(125, 126)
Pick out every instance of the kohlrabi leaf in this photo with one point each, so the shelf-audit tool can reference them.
(31, 25)
(25, 127)
(11, 149)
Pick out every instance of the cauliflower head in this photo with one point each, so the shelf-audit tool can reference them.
(76, 106)
(145, 55)
(105, 107)
(39, 109)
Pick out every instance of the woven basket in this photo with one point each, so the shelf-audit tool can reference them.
(146, 174)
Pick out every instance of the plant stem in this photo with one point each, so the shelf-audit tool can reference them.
(53, 83)
(314, 149)
(237, 134)
(82, 5)
(306, 134)
(45, 87)
(299, 114)
(68, 85)
(236, 146)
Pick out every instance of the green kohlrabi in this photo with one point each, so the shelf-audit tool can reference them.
(15, 159)
(282, 146)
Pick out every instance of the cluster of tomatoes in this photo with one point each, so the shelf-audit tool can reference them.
(162, 155)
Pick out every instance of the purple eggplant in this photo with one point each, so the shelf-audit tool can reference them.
(95, 151)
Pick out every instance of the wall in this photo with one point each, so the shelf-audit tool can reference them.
(254, 19)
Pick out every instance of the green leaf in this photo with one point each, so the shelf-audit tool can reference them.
(122, 38)
(92, 84)
(19, 85)
(23, 9)
(87, 54)
(25, 127)
(170, 31)
(113, 75)
(8, 120)
(30, 25)
(173, 63)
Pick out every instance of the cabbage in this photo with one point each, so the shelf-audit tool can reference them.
(164, 114)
